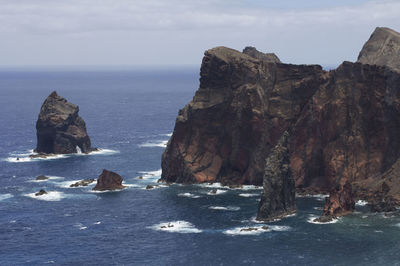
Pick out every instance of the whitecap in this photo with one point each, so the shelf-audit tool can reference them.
(176, 227)
(50, 196)
(254, 219)
(189, 195)
(167, 135)
(80, 226)
(156, 143)
(211, 185)
(318, 196)
(318, 208)
(247, 195)
(151, 174)
(256, 230)
(5, 196)
(216, 192)
(361, 203)
(312, 217)
(97, 223)
(220, 208)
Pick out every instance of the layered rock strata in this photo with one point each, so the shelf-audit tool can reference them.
(278, 197)
(60, 130)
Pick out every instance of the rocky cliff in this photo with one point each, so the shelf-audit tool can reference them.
(237, 115)
(108, 180)
(278, 197)
(382, 48)
(60, 130)
(344, 124)
(268, 57)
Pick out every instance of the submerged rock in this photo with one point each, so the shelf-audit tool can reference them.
(279, 191)
(148, 187)
(382, 48)
(60, 130)
(109, 180)
(40, 193)
(41, 178)
(83, 183)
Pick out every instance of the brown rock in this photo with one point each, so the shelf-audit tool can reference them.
(83, 183)
(340, 201)
(109, 180)
(60, 130)
(41, 178)
(238, 114)
(382, 48)
(268, 57)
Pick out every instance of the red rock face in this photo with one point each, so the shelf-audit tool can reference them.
(349, 128)
(108, 180)
(238, 114)
(340, 201)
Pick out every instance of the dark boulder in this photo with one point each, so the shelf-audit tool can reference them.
(83, 183)
(60, 130)
(109, 180)
(42, 178)
(278, 197)
(40, 193)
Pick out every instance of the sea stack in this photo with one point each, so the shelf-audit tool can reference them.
(278, 197)
(109, 180)
(60, 130)
(339, 203)
(382, 48)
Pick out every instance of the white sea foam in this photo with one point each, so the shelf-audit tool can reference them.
(216, 192)
(312, 217)
(50, 178)
(189, 195)
(176, 227)
(151, 174)
(211, 185)
(78, 150)
(220, 208)
(16, 157)
(80, 226)
(248, 195)
(5, 196)
(318, 196)
(97, 223)
(361, 203)
(154, 187)
(167, 135)
(156, 143)
(50, 196)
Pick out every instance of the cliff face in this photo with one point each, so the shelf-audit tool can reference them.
(383, 48)
(237, 115)
(60, 130)
(268, 57)
(349, 128)
(278, 197)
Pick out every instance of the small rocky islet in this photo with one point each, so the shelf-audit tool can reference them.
(257, 121)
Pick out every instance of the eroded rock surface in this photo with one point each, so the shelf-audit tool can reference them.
(60, 130)
(382, 48)
(253, 52)
(340, 201)
(278, 197)
(109, 180)
(238, 114)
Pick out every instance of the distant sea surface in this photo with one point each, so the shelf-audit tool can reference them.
(130, 116)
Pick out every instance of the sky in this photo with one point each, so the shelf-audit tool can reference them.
(177, 32)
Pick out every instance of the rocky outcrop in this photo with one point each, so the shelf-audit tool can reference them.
(109, 180)
(349, 129)
(382, 48)
(268, 57)
(339, 203)
(60, 130)
(83, 183)
(344, 124)
(40, 193)
(238, 114)
(41, 178)
(278, 197)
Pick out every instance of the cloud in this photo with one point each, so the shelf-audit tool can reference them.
(80, 16)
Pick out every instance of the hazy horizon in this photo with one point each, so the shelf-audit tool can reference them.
(155, 33)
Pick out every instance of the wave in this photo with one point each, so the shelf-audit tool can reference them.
(167, 135)
(67, 184)
(240, 187)
(50, 178)
(361, 203)
(318, 196)
(220, 208)
(247, 195)
(5, 196)
(256, 230)
(80, 226)
(311, 218)
(216, 192)
(18, 157)
(150, 174)
(50, 196)
(156, 143)
(189, 195)
(183, 227)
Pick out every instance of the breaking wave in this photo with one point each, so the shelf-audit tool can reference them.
(176, 227)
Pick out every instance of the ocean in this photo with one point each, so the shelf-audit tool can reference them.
(130, 115)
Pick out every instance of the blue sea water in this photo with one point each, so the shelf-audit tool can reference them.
(130, 115)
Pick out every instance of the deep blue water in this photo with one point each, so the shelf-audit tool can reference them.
(129, 114)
